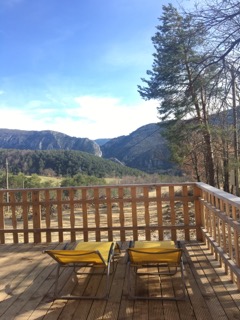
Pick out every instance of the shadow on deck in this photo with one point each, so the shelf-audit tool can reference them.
(27, 279)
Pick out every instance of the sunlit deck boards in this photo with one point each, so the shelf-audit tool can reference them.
(27, 278)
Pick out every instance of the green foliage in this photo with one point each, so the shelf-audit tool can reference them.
(176, 42)
(20, 181)
(182, 88)
(81, 179)
(66, 163)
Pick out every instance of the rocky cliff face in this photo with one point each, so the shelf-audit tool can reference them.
(144, 149)
(45, 140)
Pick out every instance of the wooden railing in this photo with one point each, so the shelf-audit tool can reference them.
(221, 227)
(184, 211)
(119, 212)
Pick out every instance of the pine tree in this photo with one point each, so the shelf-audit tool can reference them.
(175, 80)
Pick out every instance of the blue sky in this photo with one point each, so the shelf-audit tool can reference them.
(73, 66)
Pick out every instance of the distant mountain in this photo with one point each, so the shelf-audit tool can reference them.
(46, 140)
(144, 149)
(101, 142)
(147, 150)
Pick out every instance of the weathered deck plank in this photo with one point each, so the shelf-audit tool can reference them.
(27, 282)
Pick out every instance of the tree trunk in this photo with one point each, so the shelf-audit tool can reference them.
(235, 136)
(209, 158)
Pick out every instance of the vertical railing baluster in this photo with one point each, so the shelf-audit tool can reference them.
(146, 212)
(59, 215)
(71, 195)
(25, 215)
(84, 213)
(185, 213)
(48, 216)
(172, 212)
(121, 213)
(109, 213)
(159, 212)
(2, 220)
(36, 216)
(97, 213)
(134, 211)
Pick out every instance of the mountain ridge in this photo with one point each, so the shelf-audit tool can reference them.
(144, 149)
(45, 140)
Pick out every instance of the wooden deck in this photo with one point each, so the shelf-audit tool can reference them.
(27, 278)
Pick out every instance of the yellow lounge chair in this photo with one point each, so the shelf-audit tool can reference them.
(163, 256)
(85, 254)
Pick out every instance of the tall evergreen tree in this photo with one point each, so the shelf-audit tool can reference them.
(175, 81)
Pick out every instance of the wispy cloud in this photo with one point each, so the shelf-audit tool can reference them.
(85, 117)
(75, 68)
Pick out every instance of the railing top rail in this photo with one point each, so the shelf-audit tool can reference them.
(223, 195)
(103, 186)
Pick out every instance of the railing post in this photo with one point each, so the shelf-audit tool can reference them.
(36, 217)
(198, 213)
(2, 236)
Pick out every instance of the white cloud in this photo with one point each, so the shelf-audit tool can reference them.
(109, 117)
(90, 117)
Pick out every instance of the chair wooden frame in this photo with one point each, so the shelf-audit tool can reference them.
(85, 254)
(166, 260)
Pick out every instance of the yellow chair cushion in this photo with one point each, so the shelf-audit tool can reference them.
(154, 244)
(102, 247)
(154, 252)
(84, 252)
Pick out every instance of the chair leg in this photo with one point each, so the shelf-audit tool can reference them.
(133, 295)
(107, 280)
(183, 281)
(56, 282)
(129, 280)
(105, 296)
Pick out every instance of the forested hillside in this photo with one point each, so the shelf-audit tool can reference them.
(144, 149)
(61, 163)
